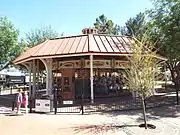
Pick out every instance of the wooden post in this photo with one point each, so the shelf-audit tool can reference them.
(37, 79)
(91, 78)
(11, 85)
(48, 64)
(30, 74)
(30, 88)
(49, 76)
(34, 79)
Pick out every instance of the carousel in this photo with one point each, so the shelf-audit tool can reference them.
(89, 64)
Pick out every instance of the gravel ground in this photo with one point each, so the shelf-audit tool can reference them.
(166, 119)
(34, 124)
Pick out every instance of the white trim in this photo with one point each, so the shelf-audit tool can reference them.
(71, 55)
(91, 78)
(83, 54)
(30, 78)
(48, 65)
(44, 62)
(28, 65)
(37, 72)
(34, 79)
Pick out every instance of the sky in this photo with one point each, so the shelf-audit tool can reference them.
(68, 16)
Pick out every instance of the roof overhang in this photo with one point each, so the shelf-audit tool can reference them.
(81, 45)
(71, 55)
(82, 54)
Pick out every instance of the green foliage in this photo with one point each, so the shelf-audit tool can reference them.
(105, 26)
(166, 24)
(135, 26)
(39, 35)
(142, 73)
(165, 30)
(8, 43)
(143, 68)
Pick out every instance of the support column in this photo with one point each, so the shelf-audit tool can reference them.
(34, 79)
(91, 78)
(48, 65)
(37, 80)
(50, 76)
(30, 74)
(28, 66)
(47, 81)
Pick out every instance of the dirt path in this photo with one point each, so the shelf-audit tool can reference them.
(166, 119)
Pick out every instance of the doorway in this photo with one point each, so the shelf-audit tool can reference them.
(67, 90)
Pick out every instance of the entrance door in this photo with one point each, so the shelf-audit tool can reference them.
(67, 83)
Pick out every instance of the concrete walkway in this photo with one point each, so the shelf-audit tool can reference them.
(166, 119)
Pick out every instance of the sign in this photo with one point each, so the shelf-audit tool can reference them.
(98, 64)
(68, 102)
(16, 79)
(66, 64)
(121, 64)
(42, 105)
(86, 64)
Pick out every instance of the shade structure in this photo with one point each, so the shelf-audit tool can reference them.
(49, 53)
(78, 45)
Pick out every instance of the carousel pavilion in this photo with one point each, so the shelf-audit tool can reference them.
(89, 63)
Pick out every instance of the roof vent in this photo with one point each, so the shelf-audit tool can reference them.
(89, 31)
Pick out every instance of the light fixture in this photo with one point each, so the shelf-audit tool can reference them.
(76, 75)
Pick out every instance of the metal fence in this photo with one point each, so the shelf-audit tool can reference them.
(7, 91)
(103, 104)
(111, 104)
(11, 90)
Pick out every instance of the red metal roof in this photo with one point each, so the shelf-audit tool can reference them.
(82, 44)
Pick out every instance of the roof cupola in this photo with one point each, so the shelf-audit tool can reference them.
(90, 30)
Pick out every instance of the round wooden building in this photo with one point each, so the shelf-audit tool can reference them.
(89, 64)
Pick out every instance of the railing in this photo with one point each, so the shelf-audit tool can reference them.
(7, 91)
(103, 104)
(111, 104)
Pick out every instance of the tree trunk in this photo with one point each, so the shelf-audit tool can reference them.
(177, 96)
(177, 83)
(144, 113)
(175, 80)
(177, 93)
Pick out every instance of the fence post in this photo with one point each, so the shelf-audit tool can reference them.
(30, 105)
(55, 100)
(13, 105)
(82, 104)
(11, 89)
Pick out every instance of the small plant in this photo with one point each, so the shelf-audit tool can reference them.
(142, 72)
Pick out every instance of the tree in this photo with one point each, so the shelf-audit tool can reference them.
(142, 71)
(135, 26)
(165, 31)
(39, 35)
(8, 43)
(105, 26)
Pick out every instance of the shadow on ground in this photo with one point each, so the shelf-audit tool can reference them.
(11, 114)
(172, 111)
(157, 113)
(97, 129)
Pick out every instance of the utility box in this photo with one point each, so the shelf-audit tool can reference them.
(43, 105)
